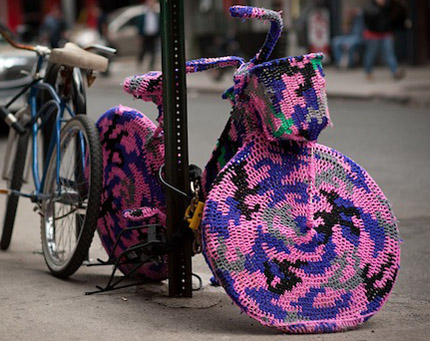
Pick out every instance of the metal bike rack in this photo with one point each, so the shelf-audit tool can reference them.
(176, 140)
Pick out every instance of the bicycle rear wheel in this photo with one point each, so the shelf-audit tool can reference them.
(69, 215)
(15, 183)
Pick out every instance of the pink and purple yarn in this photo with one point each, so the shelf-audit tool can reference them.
(299, 235)
(131, 160)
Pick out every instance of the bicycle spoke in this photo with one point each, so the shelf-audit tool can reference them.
(66, 233)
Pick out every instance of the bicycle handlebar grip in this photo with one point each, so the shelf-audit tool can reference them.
(203, 64)
(248, 12)
(11, 121)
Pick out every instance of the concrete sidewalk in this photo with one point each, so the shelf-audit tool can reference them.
(414, 89)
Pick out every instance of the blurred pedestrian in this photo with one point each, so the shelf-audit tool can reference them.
(381, 18)
(53, 27)
(149, 31)
(345, 47)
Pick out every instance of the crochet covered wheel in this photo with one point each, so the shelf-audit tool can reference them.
(300, 237)
(130, 180)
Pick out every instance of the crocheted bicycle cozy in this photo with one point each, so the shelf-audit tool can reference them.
(133, 152)
(300, 236)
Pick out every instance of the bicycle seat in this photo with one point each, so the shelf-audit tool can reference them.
(74, 56)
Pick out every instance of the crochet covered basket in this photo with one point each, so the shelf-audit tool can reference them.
(287, 99)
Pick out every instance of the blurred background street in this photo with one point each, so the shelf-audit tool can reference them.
(382, 123)
(309, 26)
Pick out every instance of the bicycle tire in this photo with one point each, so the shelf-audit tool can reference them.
(15, 184)
(78, 98)
(81, 191)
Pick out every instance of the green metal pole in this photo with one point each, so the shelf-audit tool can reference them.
(175, 139)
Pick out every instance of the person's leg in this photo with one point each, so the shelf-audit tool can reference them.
(337, 49)
(152, 51)
(142, 51)
(370, 55)
(354, 44)
(389, 55)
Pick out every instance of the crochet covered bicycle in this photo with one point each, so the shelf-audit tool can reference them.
(299, 235)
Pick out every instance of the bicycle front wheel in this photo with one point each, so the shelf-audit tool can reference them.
(73, 188)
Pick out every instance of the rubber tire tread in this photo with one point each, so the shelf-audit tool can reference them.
(95, 190)
(16, 184)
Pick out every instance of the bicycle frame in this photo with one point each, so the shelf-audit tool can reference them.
(56, 104)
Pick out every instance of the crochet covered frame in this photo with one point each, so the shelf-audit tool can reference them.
(299, 235)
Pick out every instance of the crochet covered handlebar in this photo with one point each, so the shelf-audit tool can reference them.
(203, 64)
(248, 12)
(148, 87)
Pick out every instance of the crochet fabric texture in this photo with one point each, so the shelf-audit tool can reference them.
(285, 98)
(300, 236)
(133, 152)
(149, 88)
(131, 160)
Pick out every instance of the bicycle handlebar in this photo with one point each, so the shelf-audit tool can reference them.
(202, 64)
(149, 87)
(13, 43)
(101, 48)
(46, 50)
(274, 33)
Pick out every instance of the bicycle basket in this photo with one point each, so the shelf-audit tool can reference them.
(288, 95)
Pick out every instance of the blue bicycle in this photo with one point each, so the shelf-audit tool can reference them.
(68, 185)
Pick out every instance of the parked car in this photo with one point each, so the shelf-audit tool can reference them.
(122, 29)
(15, 66)
(121, 33)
